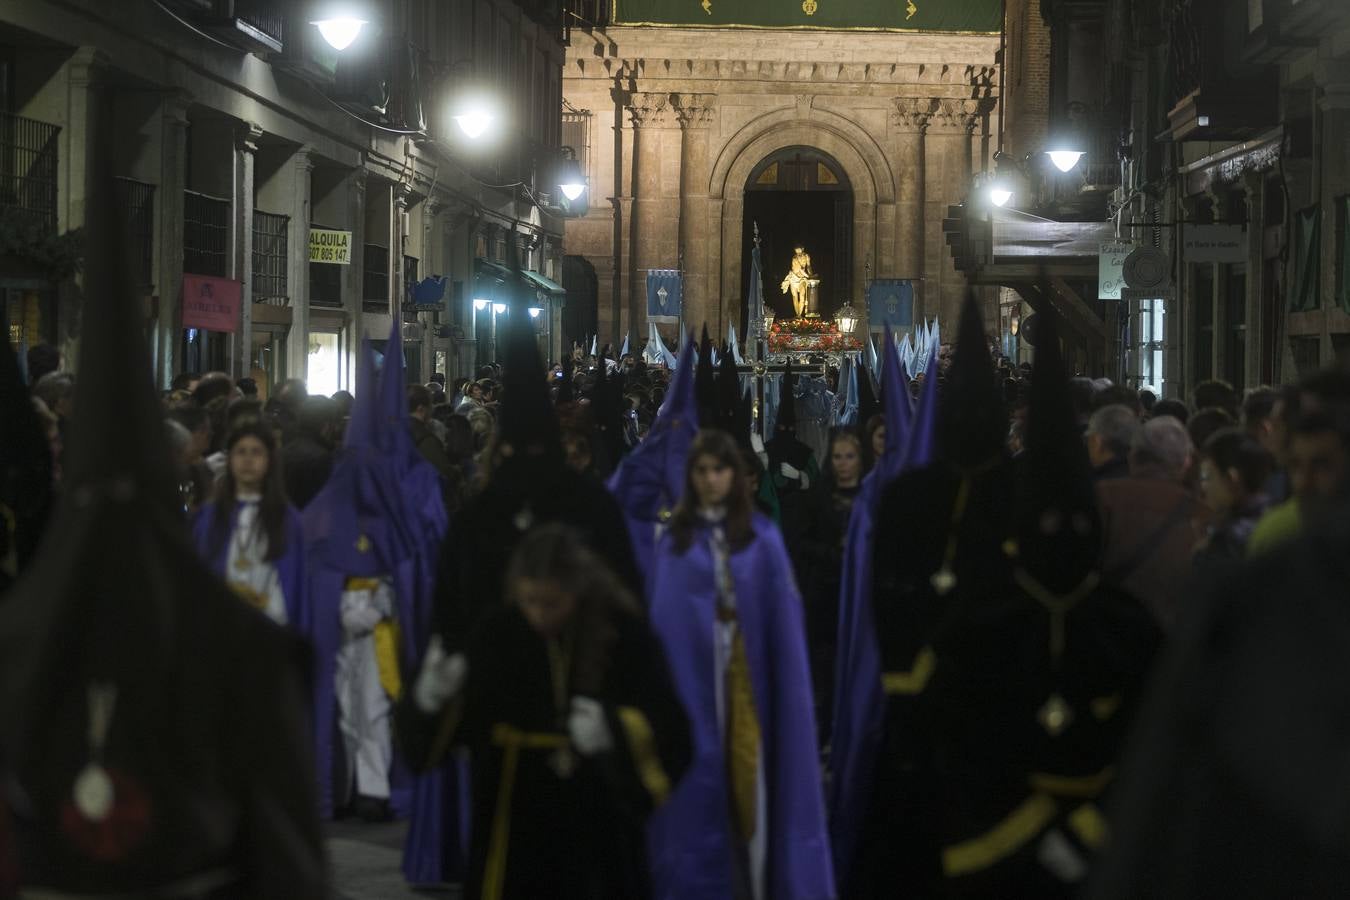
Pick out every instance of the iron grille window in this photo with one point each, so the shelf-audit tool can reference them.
(576, 134)
(375, 276)
(206, 234)
(270, 239)
(136, 203)
(28, 170)
(409, 277)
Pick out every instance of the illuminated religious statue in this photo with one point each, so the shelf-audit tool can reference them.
(798, 280)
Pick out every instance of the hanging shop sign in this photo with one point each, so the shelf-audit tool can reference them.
(1214, 243)
(211, 303)
(1111, 268)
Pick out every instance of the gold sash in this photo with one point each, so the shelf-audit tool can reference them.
(743, 740)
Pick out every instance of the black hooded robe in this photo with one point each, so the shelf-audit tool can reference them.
(543, 827)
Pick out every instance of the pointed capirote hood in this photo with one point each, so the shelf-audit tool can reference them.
(382, 503)
(1057, 522)
(868, 405)
(393, 435)
(115, 576)
(651, 478)
(974, 421)
(895, 401)
(25, 468)
(921, 442)
(705, 391)
(525, 416)
(729, 398)
(365, 415)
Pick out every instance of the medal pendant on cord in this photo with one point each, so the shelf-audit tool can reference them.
(93, 790)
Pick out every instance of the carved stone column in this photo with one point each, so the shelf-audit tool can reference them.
(431, 210)
(650, 114)
(947, 177)
(245, 152)
(695, 112)
(909, 124)
(169, 218)
(353, 275)
(297, 267)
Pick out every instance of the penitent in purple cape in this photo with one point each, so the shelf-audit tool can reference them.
(859, 707)
(381, 514)
(650, 479)
(691, 838)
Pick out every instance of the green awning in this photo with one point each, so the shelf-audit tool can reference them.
(484, 268)
(544, 284)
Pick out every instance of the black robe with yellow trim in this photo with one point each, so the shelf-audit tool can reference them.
(1019, 747)
(924, 516)
(536, 833)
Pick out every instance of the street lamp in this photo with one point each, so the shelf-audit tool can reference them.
(571, 181)
(1000, 194)
(535, 311)
(1064, 159)
(340, 32)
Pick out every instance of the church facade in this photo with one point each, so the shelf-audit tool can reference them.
(848, 141)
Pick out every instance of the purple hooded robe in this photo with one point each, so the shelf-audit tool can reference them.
(691, 838)
(381, 514)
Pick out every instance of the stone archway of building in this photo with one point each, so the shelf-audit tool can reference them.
(581, 312)
(860, 159)
(799, 196)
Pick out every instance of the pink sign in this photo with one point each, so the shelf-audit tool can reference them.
(211, 303)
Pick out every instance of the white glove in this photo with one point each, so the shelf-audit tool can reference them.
(588, 728)
(440, 678)
(359, 615)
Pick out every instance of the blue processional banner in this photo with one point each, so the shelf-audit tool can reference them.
(890, 301)
(664, 295)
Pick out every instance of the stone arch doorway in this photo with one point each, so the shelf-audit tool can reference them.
(851, 146)
(580, 314)
(800, 196)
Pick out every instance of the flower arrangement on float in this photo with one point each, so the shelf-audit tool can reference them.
(789, 335)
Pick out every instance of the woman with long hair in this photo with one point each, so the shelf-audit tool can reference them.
(564, 700)
(818, 553)
(748, 820)
(250, 535)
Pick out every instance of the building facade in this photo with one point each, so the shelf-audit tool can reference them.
(244, 145)
(1216, 177)
(849, 139)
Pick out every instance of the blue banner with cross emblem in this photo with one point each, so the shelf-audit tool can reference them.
(664, 295)
(890, 300)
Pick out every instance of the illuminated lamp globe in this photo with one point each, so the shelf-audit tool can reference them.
(341, 31)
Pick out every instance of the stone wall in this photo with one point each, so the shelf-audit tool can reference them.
(679, 118)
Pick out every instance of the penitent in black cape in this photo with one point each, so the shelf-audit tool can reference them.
(528, 485)
(1034, 680)
(152, 733)
(939, 535)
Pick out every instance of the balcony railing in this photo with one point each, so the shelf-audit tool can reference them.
(28, 170)
(270, 238)
(136, 201)
(206, 234)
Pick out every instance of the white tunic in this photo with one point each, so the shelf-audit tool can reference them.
(247, 570)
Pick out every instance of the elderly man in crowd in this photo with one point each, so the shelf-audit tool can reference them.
(1110, 432)
(1151, 521)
